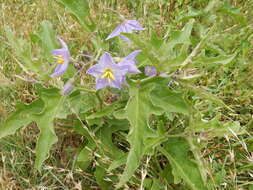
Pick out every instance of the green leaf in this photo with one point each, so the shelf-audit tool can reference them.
(21, 117)
(47, 37)
(146, 47)
(42, 111)
(168, 100)
(82, 129)
(79, 8)
(138, 110)
(116, 163)
(166, 174)
(106, 111)
(182, 37)
(100, 175)
(209, 96)
(45, 122)
(22, 49)
(85, 156)
(156, 41)
(78, 103)
(156, 185)
(103, 142)
(211, 5)
(227, 9)
(105, 136)
(176, 150)
(120, 114)
(216, 128)
(195, 148)
(222, 59)
(192, 13)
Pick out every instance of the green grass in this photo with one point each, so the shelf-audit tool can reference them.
(229, 161)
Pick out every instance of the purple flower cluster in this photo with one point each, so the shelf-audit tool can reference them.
(106, 72)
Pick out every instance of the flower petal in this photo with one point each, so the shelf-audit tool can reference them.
(64, 52)
(60, 69)
(116, 84)
(96, 70)
(132, 55)
(150, 71)
(107, 61)
(133, 68)
(129, 66)
(101, 83)
(106, 64)
(127, 40)
(123, 81)
(68, 87)
(134, 25)
(106, 58)
(129, 62)
(119, 79)
(58, 51)
(127, 26)
(63, 44)
(115, 32)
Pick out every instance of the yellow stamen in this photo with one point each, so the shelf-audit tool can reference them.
(59, 59)
(108, 74)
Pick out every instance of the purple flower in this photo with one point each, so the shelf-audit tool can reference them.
(107, 72)
(129, 42)
(129, 62)
(128, 26)
(150, 71)
(68, 87)
(62, 57)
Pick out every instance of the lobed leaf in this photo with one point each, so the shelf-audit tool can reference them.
(45, 121)
(209, 96)
(47, 37)
(42, 111)
(176, 150)
(138, 110)
(22, 50)
(216, 128)
(79, 8)
(106, 111)
(168, 100)
(146, 47)
(222, 59)
(192, 13)
(182, 37)
(21, 117)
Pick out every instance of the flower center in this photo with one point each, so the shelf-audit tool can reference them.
(108, 74)
(59, 59)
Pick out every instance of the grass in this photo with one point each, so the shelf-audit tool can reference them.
(229, 158)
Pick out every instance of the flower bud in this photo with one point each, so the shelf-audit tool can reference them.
(68, 87)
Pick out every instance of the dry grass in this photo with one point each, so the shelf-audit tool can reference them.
(230, 158)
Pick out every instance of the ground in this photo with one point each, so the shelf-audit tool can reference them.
(229, 158)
